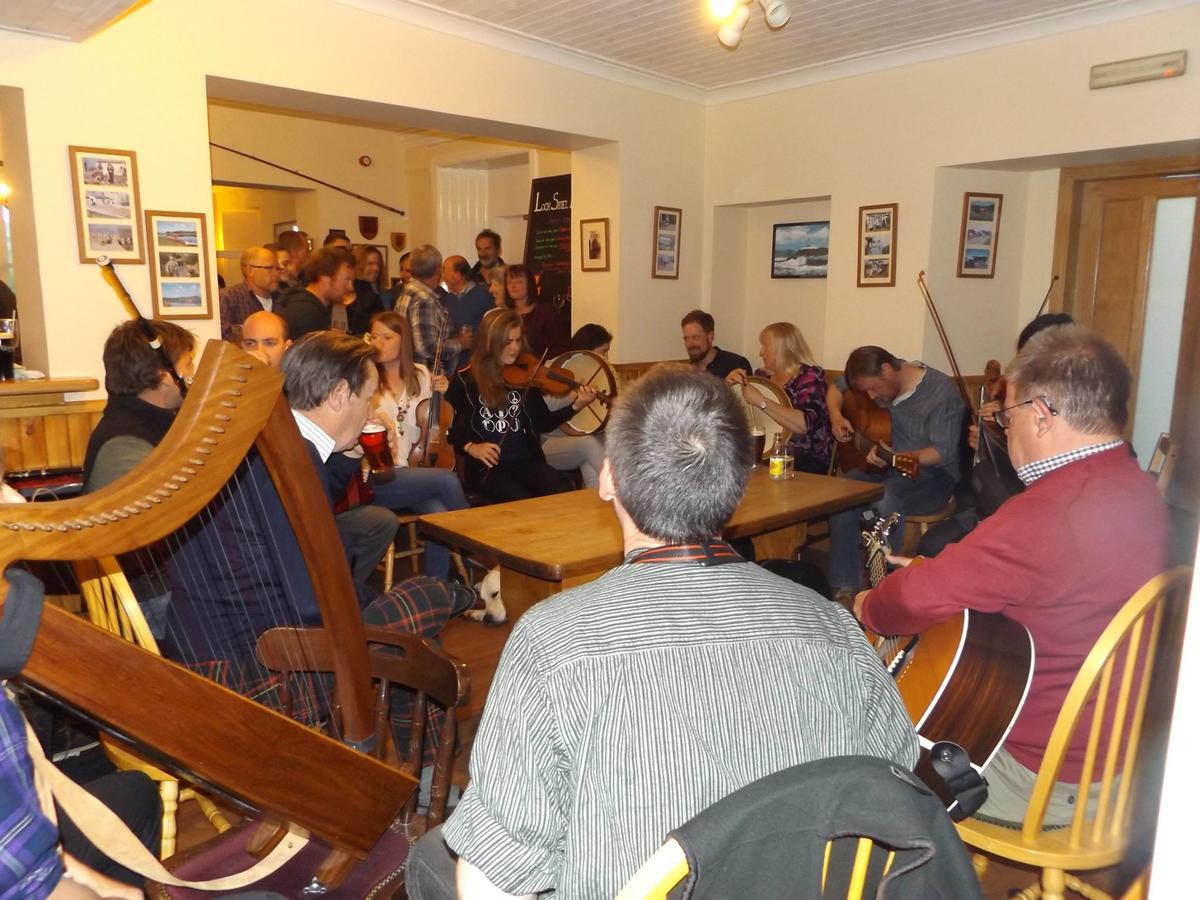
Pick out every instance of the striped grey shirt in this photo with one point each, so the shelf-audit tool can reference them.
(622, 708)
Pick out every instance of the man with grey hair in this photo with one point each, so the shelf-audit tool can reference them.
(256, 292)
(1061, 558)
(562, 796)
(420, 303)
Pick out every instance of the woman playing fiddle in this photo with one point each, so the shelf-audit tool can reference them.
(498, 426)
(788, 362)
(405, 388)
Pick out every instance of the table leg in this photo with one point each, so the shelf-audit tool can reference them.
(780, 544)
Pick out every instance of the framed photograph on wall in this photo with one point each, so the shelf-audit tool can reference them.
(108, 214)
(593, 245)
(800, 250)
(668, 224)
(179, 278)
(877, 229)
(979, 235)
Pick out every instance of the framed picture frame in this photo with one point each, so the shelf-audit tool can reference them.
(877, 230)
(668, 226)
(108, 216)
(800, 250)
(180, 283)
(593, 245)
(979, 235)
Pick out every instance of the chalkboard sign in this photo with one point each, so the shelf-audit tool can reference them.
(548, 241)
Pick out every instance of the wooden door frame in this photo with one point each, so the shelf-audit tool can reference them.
(1070, 196)
(1185, 423)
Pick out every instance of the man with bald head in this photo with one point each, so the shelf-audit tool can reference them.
(265, 335)
(260, 272)
(467, 302)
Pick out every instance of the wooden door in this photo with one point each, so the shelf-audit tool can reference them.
(1102, 250)
(1106, 288)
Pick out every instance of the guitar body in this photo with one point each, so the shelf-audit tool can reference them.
(965, 681)
(872, 422)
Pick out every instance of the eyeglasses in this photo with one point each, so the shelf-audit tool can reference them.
(270, 268)
(1004, 420)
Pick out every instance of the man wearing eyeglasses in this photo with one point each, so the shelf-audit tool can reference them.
(1061, 558)
(256, 292)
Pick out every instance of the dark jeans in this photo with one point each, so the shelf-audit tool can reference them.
(134, 798)
(424, 491)
(520, 481)
(927, 493)
(429, 873)
(371, 531)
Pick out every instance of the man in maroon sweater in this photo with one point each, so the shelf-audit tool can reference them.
(1061, 558)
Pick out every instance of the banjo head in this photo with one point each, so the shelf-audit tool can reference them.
(771, 429)
(593, 370)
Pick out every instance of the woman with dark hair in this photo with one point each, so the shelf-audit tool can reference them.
(545, 331)
(368, 272)
(402, 404)
(497, 427)
(593, 337)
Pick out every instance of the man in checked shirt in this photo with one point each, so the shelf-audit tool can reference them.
(428, 316)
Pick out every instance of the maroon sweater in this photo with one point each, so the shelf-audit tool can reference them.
(1061, 559)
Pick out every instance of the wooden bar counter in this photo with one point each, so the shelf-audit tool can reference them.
(549, 544)
(40, 429)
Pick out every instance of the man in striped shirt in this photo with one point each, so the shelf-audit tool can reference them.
(622, 708)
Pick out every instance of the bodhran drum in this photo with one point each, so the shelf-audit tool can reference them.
(759, 419)
(593, 370)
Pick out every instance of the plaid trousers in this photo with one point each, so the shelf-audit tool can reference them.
(420, 606)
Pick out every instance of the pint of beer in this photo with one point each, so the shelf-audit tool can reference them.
(374, 441)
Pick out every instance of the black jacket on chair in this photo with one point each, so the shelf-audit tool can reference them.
(768, 839)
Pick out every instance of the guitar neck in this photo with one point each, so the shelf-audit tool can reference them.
(866, 446)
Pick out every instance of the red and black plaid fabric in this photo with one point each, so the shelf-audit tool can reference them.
(419, 606)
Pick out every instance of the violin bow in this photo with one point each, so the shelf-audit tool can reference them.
(941, 330)
(1046, 299)
(109, 274)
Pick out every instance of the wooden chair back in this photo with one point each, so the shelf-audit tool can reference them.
(110, 602)
(853, 867)
(1144, 640)
(1162, 462)
(396, 660)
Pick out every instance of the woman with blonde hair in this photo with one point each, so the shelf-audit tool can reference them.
(788, 362)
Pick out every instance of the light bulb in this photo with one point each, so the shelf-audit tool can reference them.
(776, 12)
(730, 34)
(720, 10)
(5, 190)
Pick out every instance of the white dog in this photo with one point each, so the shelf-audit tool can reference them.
(493, 612)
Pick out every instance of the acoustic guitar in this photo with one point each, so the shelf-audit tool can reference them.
(964, 680)
(872, 429)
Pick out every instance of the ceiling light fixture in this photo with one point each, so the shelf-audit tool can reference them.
(775, 12)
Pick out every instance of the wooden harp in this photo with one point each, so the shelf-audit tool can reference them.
(213, 736)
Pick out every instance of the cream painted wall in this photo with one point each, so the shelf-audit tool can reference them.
(245, 217)
(130, 87)
(979, 314)
(322, 149)
(881, 137)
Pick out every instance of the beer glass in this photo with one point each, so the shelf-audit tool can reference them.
(374, 441)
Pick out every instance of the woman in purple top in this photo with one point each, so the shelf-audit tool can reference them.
(787, 362)
(545, 331)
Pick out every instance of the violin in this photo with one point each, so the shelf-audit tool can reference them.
(530, 371)
(434, 416)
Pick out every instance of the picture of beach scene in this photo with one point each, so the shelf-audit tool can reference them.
(109, 237)
(107, 205)
(174, 233)
(182, 294)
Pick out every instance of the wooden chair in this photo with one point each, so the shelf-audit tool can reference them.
(1147, 634)
(111, 605)
(396, 660)
(916, 526)
(659, 875)
(412, 553)
(1162, 462)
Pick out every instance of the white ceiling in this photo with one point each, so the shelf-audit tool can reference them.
(675, 41)
(73, 20)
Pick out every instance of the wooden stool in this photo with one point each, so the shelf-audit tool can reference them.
(916, 526)
(408, 522)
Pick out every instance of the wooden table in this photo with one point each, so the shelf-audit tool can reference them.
(549, 544)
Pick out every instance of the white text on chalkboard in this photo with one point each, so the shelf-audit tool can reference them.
(555, 203)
